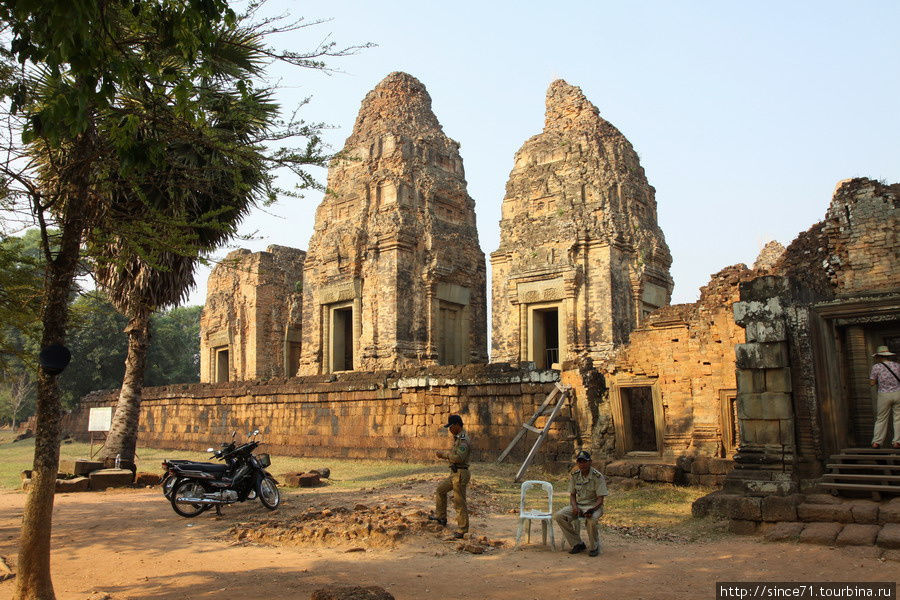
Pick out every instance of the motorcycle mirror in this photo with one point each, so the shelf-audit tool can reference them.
(210, 449)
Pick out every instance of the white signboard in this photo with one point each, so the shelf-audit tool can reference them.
(99, 419)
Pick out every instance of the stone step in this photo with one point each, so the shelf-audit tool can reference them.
(863, 467)
(863, 476)
(892, 458)
(870, 451)
(862, 487)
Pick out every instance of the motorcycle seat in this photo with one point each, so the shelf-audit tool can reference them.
(202, 466)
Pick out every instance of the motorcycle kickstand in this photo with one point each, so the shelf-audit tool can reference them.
(218, 510)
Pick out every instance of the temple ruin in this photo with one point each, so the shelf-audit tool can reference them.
(250, 325)
(394, 273)
(582, 260)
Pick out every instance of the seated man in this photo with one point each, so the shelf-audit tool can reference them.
(587, 489)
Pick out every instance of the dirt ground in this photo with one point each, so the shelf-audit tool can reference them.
(130, 544)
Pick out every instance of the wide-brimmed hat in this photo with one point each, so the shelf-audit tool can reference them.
(883, 351)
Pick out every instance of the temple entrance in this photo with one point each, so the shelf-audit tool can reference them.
(221, 365)
(545, 345)
(341, 342)
(860, 342)
(637, 406)
(450, 336)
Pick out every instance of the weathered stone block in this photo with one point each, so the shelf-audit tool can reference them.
(778, 380)
(76, 484)
(765, 289)
(772, 355)
(745, 508)
(700, 466)
(865, 513)
(766, 331)
(821, 499)
(855, 534)
(889, 513)
(759, 432)
(621, 468)
(889, 536)
(820, 533)
(779, 508)
(720, 466)
(739, 527)
(664, 473)
(751, 381)
(107, 478)
(825, 512)
(766, 406)
(714, 504)
(84, 467)
(784, 532)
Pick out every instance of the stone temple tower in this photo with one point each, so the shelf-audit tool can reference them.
(582, 259)
(394, 275)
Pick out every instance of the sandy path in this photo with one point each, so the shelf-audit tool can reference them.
(130, 544)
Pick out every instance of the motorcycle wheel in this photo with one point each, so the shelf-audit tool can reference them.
(191, 489)
(168, 484)
(268, 493)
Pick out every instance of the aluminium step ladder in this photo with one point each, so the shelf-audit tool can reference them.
(560, 393)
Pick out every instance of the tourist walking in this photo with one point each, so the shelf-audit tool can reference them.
(886, 375)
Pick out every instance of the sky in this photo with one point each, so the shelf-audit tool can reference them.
(744, 114)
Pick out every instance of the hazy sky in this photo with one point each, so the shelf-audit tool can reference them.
(744, 114)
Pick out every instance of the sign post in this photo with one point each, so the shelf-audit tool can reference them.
(99, 422)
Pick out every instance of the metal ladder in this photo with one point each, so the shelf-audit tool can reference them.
(561, 393)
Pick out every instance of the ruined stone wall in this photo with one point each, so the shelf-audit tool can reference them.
(686, 353)
(395, 242)
(855, 250)
(253, 310)
(353, 415)
(793, 393)
(578, 235)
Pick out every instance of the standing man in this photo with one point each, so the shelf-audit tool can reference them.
(458, 479)
(587, 490)
(886, 375)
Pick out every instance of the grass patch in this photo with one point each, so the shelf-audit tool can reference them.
(647, 506)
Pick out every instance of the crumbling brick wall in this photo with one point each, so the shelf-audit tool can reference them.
(384, 414)
(687, 352)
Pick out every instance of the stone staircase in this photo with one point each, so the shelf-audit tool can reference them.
(865, 470)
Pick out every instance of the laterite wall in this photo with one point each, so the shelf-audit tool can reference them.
(355, 415)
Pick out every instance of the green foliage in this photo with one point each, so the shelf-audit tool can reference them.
(99, 345)
(21, 285)
(174, 355)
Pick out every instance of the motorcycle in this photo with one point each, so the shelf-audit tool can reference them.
(198, 486)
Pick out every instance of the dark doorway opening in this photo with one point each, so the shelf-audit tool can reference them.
(342, 340)
(637, 407)
(545, 343)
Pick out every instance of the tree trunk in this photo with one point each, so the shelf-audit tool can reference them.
(33, 580)
(122, 438)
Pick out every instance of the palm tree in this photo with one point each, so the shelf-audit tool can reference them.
(215, 172)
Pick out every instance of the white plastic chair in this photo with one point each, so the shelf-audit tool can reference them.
(531, 514)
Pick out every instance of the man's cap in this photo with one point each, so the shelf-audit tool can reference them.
(583, 455)
(883, 351)
(454, 420)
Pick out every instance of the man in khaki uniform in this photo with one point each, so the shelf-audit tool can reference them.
(458, 479)
(587, 490)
